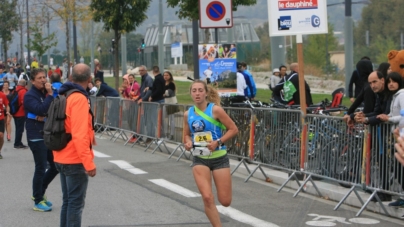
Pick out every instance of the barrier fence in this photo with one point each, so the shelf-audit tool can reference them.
(360, 158)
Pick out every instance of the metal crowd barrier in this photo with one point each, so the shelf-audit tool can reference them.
(361, 157)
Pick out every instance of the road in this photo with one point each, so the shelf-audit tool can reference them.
(137, 188)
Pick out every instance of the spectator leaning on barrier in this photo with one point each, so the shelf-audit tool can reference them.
(75, 162)
(146, 85)
(382, 106)
(36, 104)
(252, 92)
(157, 91)
(275, 78)
(104, 89)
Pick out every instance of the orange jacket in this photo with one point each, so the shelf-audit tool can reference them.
(79, 123)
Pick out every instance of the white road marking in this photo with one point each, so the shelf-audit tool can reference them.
(100, 155)
(244, 218)
(128, 167)
(175, 188)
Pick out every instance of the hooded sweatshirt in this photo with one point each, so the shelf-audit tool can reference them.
(364, 68)
(397, 104)
(79, 122)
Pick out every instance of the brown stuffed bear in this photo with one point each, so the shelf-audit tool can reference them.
(396, 60)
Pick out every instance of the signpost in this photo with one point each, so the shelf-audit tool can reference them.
(298, 17)
(215, 14)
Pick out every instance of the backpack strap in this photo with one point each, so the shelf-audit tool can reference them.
(208, 118)
(69, 92)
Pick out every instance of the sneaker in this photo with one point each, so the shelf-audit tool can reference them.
(47, 202)
(398, 203)
(41, 206)
(20, 147)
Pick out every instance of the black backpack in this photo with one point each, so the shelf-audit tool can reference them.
(54, 132)
(13, 101)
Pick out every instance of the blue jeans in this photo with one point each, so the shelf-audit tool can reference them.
(42, 177)
(19, 130)
(74, 182)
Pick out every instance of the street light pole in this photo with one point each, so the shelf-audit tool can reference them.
(348, 43)
(160, 39)
(28, 43)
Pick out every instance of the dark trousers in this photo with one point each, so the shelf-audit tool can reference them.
(42, 177)
(74, 182)
(19, 130)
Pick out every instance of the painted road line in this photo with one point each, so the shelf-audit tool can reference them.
(244, 218)
(175, 188)
(100, 155)
(128, 167)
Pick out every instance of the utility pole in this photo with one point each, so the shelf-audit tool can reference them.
(48, 36)
(123, 53)
(28, 43)
(160, 40)
(74, 34)
(348, 43)
(92, 46)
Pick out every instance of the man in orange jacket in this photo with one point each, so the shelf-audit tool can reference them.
(75, 161)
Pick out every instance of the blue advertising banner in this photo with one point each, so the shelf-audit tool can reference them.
(217, 66)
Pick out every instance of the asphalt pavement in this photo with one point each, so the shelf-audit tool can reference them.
(137, 188)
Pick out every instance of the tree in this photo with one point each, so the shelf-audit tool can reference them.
(121, 16)
(64, 10)
(316, 47)
(380, 19)
(9, 20)
(39, 43)
(189, 9)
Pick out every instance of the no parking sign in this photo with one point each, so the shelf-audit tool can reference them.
(215, 14)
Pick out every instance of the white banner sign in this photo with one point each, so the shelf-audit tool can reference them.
(176, 50)
(293, 17)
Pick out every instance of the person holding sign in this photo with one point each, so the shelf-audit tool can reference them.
(203, 126)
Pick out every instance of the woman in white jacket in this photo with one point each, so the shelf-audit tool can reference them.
(395, 84)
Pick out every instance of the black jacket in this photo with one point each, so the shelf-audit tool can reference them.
(158, 88)
(382, 106)
(107, 91)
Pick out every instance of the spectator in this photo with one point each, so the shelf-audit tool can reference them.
(294, 78)
(282, 71)
(58, 71)
(366, 96)
(19, 116)
(36, 104)
(170, 98)
(82, 60)
(396, 94)
(4, 110)
(34, 64)
(18, 70)
(2, 74)
(104, 89)
(146, 85)
(252, 91)
(382, 106)
(11, 77)
(92, 90)
(98, 72)
(357, 80)
(275, 78)
(75, 162)
(50, 72)
(241, 86)
(132, 90)
(157, 94)
(65, 69)
(123, 87)
(7, 118)
(55, 80)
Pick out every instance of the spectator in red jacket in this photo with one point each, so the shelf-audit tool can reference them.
(19, 117)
